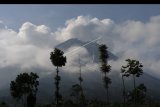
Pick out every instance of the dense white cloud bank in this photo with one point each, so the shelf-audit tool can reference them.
(30, 47)
(130, 39)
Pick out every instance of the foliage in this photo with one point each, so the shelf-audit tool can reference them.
(77, 94)
(139, 93)
(24, 86)
(133, 67)
(103, 53)
(106, 81)
(3, 104)
(58, 60)
(105, 68)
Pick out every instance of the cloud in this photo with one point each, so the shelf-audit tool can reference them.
(86, 28)
(140, 41)
(26, 50)
(2, 25)
(30, 47)
(130, 39)
(81, 54)
(37, 35)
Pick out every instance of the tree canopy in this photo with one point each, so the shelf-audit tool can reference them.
(24, 85)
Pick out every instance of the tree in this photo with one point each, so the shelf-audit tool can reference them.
(138, 94)
(133, 68)
(31, 100)
(77, 89)
(123, 83)
(3, 104)
(25, 85)
(57, 60)
(82, 96)
(105, 68)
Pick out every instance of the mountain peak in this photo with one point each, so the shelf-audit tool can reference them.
(92, 48)
(68, 43)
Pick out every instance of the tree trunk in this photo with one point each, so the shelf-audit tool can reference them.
(107, 93)
(134, 81)
(23, 101)
(57, 89)
(124, 91)
(134, 88)
(107, 97)
(105, 75)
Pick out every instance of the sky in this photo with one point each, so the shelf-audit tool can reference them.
(55, 15)
(28, 33)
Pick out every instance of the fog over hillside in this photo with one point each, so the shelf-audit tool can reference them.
(91, 74)
(28, 50)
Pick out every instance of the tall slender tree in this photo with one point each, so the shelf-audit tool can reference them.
(75, 92)
(57, 60)
(77, 89)
(133, 68)
(123, 83)
(105, 68)
(82, 96)
(124, 91)
(80, 76)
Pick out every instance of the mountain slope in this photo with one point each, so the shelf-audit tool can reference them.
(92, 83)
(92, 48)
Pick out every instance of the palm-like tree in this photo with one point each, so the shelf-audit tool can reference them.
(133, 68)
(105, 68)
(57, 60)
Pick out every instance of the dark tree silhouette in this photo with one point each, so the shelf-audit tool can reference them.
(82, 96)
(123, 83)
(124, 90)
(105, 68)
(80, 76)
(138, 94)
(77, 89)
(133, 68)
(3, 104)
(57, 60)
(25, 85)
(31, 100)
